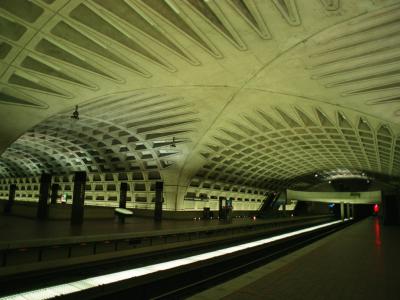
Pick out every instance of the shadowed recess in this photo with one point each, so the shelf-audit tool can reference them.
(72, 35)
(11, 30)
(24, 9)
(249, 11)
(173, 15)
(26, 83)
(39, 66)
(91, 19)
(9, 99)
(4, 49)
(207, 12)
(47, 47)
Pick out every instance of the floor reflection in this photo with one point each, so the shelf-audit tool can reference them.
(377, 227)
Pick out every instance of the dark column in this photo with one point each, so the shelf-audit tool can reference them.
(54, 193)
(220, 212)
(78, 198)
(348, 210)
(122, 200)
(284, 204)
(122, 194)
(159, 201)
(11, 198)
(301, 208)
(362, 210)
(342, 211)
(42, 209)
(390, 209)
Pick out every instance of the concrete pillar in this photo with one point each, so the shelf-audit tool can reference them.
(390, 206)
(42, 208)
(55, 187)
(342, 211)
(123, 189)
(177, 194)
(11, 198)
(220, 213)
(159, 201)
(348, 210)
(122, 200)
(78, 198)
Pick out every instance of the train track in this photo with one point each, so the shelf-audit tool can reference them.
(184, 281)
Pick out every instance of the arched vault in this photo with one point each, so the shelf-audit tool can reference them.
(219, 96)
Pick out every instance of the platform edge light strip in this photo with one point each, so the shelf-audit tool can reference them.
(91, 282)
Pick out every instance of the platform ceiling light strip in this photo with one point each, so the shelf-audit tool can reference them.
(92, 282)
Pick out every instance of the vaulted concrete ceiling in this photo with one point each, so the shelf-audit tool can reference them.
(248, 92)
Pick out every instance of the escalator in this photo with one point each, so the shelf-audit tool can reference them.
(267, 208)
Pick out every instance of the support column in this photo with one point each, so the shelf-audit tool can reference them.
(123, 189)
(11, 198)
(220, 199)
(55, 187)
(159, 201)
(348, 210)
(78, 198)
(42, 209)
(178, 196)
(284, 204)
(342, 211)
(390, 209)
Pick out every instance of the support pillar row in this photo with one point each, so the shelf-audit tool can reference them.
(78, 198)
(220, 213)
(391, 210)
(11, 198)
(284, 204)
(55, 187)
(123, 189)
(342, 211)
(348, 210)
(159, 201)
(43, 208)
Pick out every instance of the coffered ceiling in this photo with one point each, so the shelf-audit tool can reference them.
(247, 92)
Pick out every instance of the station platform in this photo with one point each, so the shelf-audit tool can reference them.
(359, 262)
(28, 245)
(14, 228)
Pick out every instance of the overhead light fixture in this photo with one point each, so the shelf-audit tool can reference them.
(75, 114)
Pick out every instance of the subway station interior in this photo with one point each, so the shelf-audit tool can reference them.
(199, 149)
